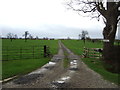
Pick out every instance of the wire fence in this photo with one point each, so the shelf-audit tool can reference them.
(28, 52)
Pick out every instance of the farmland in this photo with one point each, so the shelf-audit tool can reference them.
(95, 64)
(18, 63)
(77, 45)
(15, 63)
(17, 49)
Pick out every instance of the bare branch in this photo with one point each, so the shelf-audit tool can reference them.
(101, 9)
(95, 8)
(92, 9)
(118, 19)
(104, 21)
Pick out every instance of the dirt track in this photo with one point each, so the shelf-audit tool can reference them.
(54, 75)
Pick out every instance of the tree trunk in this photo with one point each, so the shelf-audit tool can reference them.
(25, 39)
(109, 51)
(109, 34)
(11, 39)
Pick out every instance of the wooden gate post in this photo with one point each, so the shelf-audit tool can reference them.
(45, 50)
(87, 52)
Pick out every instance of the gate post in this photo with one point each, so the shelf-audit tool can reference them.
(45, 50)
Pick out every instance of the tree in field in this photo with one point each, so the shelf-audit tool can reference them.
(83, 35)
(79, 36)
(30, 36)
(15, 36)
(109, 10)
(37, 37)
(25, 35)
(10, 36)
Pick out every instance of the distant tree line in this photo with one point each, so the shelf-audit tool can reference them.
(25, 36)
(13, 36)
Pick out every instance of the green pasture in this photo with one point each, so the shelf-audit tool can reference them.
(21, 66)
(95, 64)
(18, 48)
(77, 45)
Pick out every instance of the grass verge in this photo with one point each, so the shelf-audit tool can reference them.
(20, 67)
(97, 66)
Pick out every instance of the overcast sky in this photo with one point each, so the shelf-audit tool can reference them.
(45, 18)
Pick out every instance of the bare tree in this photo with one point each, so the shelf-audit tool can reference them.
(30, 36)
(37, 37)
(83, 35)
(79, 36)
(15, 36)
(110, 12)
(10, 36)
(26, 34)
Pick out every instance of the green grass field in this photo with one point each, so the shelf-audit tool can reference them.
(21, 66)
(77, 45)
(96, 64)
(19, 49)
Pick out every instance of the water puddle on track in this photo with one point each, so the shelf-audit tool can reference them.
(63, 82)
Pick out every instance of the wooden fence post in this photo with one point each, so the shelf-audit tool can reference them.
(45, 50)
(87, 52)
(94, 53)
(84, 52)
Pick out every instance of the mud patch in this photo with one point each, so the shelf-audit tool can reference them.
(56, 60)
(27, 79)
(49, 67)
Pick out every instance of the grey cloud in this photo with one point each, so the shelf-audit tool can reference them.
(51, 31)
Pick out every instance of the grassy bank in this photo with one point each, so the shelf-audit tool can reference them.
(22, 66)
(95, 64)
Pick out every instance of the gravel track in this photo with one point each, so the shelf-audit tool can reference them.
(54, 75)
